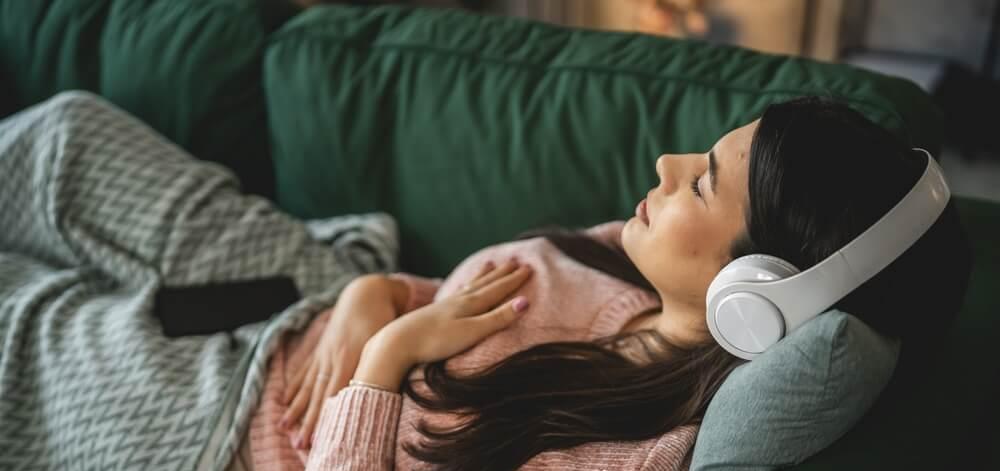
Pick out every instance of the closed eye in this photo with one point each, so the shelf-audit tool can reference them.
(694, 186)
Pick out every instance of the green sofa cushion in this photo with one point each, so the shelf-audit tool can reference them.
(470, 129)
(188, 68)
(797, 398)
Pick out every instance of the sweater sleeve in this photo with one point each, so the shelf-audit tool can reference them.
(422, 290)
(356, 431)
(672, 450)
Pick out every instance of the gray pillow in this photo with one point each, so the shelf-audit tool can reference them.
(797, 398)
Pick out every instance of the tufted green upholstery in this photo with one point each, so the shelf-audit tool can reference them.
(190, 69)
(473, 128)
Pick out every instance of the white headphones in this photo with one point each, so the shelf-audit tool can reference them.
(758, 299)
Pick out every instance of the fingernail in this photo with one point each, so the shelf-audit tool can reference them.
(520, 304)
(297, 441)
(283, 423)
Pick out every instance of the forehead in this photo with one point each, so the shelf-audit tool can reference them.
(732, 152)
(737, 141)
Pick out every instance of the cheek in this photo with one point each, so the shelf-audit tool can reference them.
(672, 253)
(682, 233)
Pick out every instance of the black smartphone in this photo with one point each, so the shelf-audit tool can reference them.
(221, 307)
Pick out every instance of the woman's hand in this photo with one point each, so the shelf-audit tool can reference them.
(365, 306)
(445, 328)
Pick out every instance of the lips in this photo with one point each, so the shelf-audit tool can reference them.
(640, 212)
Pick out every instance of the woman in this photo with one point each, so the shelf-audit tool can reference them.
(599, 336)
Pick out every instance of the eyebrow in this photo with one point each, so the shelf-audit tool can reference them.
(713, 170)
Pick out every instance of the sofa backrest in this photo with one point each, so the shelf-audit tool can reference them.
(471, 129)
(191, 69)
(468, 128)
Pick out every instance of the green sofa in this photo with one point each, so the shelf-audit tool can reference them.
(470, 129)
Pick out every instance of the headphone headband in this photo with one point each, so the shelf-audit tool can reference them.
(802, 296)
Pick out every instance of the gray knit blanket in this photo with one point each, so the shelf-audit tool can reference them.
(97, 212)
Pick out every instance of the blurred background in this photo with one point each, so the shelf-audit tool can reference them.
(947, 47)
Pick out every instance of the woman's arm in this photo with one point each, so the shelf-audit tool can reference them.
(357, 430)
(365, 306)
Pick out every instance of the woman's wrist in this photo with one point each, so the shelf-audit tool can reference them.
(381, 366)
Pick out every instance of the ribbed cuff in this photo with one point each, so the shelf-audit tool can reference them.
(357, 431)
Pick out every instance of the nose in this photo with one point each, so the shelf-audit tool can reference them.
(671, 168)
(667, 177)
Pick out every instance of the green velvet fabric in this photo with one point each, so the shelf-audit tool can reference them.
(471, 129)
(188, 68)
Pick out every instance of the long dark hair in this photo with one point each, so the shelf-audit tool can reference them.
(820, 173)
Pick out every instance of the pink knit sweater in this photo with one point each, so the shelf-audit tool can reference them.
(363, 429)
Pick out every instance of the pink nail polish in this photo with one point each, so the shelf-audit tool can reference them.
(520, 304)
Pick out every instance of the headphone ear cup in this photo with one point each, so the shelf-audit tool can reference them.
(750, 268)
(746, 323)
(775, 266)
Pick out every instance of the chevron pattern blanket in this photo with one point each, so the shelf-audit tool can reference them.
(97, 212)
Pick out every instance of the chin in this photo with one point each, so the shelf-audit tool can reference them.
(628, 236)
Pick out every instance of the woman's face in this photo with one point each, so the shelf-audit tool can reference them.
(682, 232)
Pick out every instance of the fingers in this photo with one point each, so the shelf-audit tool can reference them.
(483, 270)
(301, 399)
(488, 273)
(489, 295)
(304, 438)
(315, 385)
(497, 319)
(336, 383)
(296, 383)
(329, 386)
